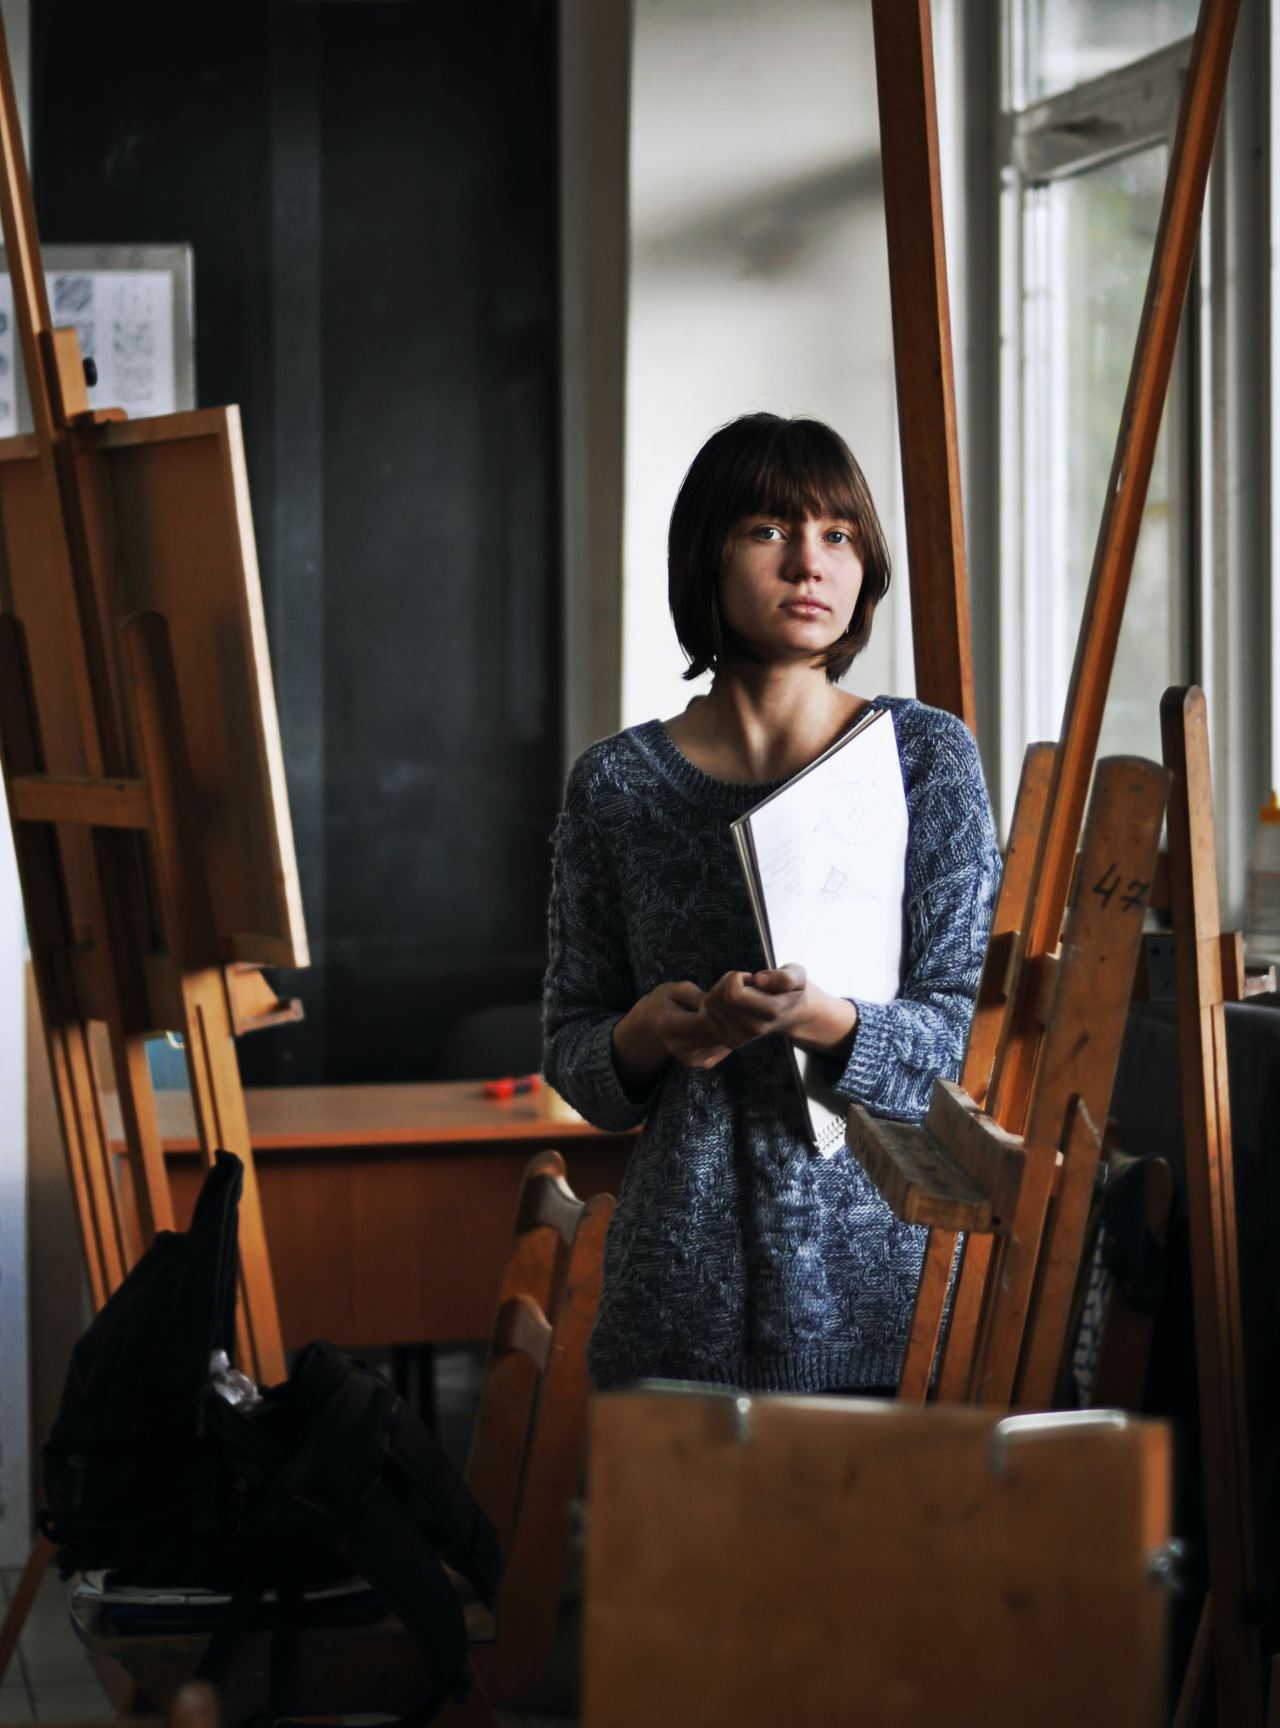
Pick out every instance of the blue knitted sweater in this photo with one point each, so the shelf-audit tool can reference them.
(735, 1254)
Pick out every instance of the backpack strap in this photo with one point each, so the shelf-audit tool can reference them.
(440, 1501)
(335, 1481)
(230, 1629)
(398, 1561)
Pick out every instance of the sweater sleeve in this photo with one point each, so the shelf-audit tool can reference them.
(953, 871)
(589, 983)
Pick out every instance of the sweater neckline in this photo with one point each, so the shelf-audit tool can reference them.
(657, 744)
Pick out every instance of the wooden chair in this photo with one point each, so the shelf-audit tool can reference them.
(529, 1446)
(525, 1467)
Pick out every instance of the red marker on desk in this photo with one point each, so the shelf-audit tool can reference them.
(513, 1083)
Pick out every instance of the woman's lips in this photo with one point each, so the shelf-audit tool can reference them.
(805, 608)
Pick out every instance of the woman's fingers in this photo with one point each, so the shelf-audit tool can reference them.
(699, 1028)
(746, 1005)
(735, 1011)
(780, 980)
(685, 995)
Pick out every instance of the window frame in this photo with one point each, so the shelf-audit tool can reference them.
(1230, 379)
(1059, 137)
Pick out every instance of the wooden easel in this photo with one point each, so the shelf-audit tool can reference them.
(1028, 1193)
(922, 356)
(1231, 1639)
(1004, 1041)
(107, 770)
(1007, 1028)
(997, 1174)
(962, 1171)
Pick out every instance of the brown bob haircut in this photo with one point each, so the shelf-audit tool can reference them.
(762, 465)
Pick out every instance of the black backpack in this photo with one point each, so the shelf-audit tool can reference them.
(154, 1478)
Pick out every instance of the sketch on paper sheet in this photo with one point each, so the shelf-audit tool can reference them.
(825, 865)
(125, 322)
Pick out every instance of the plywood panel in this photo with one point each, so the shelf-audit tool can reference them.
(820, 1561)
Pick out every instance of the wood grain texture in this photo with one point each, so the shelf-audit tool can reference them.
(390, 1233)
(922, 356)
(1081, 1045)
(1211, 1206)
(551, 1463)
(918, 1178)
(818, 1561)
(190, 934)
(1061, 1249)
(991, 1157)
(71, 1066)
(78, 799)
(432, 1112)
(168, 529)
(975, 1077)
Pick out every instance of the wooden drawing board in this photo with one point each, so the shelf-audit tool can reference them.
(170, 531)
(823, 1560)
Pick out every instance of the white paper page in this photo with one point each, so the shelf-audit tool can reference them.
(831, 853)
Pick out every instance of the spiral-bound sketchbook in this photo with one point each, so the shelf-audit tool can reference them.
(824, 859)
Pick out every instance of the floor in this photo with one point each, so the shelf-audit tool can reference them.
(51, 1680)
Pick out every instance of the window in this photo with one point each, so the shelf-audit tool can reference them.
(1057, 44)
(1082, 180)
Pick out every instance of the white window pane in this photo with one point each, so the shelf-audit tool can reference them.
(1089, 246)
(1064, 42)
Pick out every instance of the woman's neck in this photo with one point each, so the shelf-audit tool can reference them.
(764, 723)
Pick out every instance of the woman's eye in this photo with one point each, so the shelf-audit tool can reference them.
(766, 531)
(838, 536)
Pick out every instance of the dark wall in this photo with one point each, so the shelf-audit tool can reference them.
(369, 186)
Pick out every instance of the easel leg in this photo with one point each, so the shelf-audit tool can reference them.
(968, 1307)
(1211, 1207)
(1082, 1017)
(187, 913)
(1195, 1682)
(926, 1317)
(28, 1585)
(922, 353)
(975, 1077)
(75, 1085)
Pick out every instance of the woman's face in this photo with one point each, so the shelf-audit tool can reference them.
(789, 587)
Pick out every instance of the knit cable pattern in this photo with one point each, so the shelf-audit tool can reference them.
(737, 1256)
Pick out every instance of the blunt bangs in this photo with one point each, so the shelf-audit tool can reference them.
(762, 465)
(797, 474)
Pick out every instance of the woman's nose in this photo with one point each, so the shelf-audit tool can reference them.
(804, 560)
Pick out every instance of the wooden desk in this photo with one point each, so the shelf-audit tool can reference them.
(389, 1208)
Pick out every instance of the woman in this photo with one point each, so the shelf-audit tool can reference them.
(736, 1255)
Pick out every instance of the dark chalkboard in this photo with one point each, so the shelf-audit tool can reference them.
(370, 189)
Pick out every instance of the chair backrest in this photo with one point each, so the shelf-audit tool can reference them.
(528, 1447)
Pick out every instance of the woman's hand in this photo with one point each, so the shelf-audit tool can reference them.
(665, 1025)
(681, 1023)
(746, 1005)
